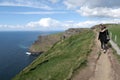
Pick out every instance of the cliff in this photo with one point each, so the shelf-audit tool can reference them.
(62, 59)
(75, 57)
(44, 43)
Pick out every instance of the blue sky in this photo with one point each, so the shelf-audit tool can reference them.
(44, 15)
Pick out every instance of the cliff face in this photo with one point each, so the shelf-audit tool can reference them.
(44, 43)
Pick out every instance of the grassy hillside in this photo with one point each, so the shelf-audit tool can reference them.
(61, 60)
(44, 43)
(115, 30)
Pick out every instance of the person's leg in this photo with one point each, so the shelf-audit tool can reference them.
(102, 45)
(105, 47)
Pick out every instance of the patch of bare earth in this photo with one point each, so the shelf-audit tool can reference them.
(100, 66)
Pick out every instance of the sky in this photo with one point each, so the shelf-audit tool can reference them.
(47, 15)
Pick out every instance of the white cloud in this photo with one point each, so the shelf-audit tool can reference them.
(11, 27)
(44, 22)
(92, 3)
(30, 3)
(53, 24)
(99, 8)
(100, 12)
(74, 3)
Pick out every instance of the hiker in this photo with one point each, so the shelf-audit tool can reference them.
(103, 37)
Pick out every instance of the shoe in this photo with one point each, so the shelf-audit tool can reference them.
(104, 51)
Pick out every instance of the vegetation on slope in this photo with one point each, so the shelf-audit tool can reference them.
(44, 43)
(61, 60)
(115, 30)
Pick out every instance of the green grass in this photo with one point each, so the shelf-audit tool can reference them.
(115, 29)
(61, 60)
(118, 56)
(44, 43)
(115, 54)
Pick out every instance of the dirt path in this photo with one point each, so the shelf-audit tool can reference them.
(101, 66)
(103, 70)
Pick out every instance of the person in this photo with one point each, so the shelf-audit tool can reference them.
(103, 37)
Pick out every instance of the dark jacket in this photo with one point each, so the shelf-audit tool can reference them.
(103, 36)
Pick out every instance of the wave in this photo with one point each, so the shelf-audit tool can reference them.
(28, 53)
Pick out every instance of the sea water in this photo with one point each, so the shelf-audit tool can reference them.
(13, 48)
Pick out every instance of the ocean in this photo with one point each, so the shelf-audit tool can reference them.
(13, 48)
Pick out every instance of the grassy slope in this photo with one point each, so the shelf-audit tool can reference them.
(115, 29)
(45, 43)
(61, 60)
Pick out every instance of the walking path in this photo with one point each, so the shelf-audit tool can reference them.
(103, 69)
(101, 66)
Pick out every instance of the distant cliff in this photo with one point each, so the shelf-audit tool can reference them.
(44, 43)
